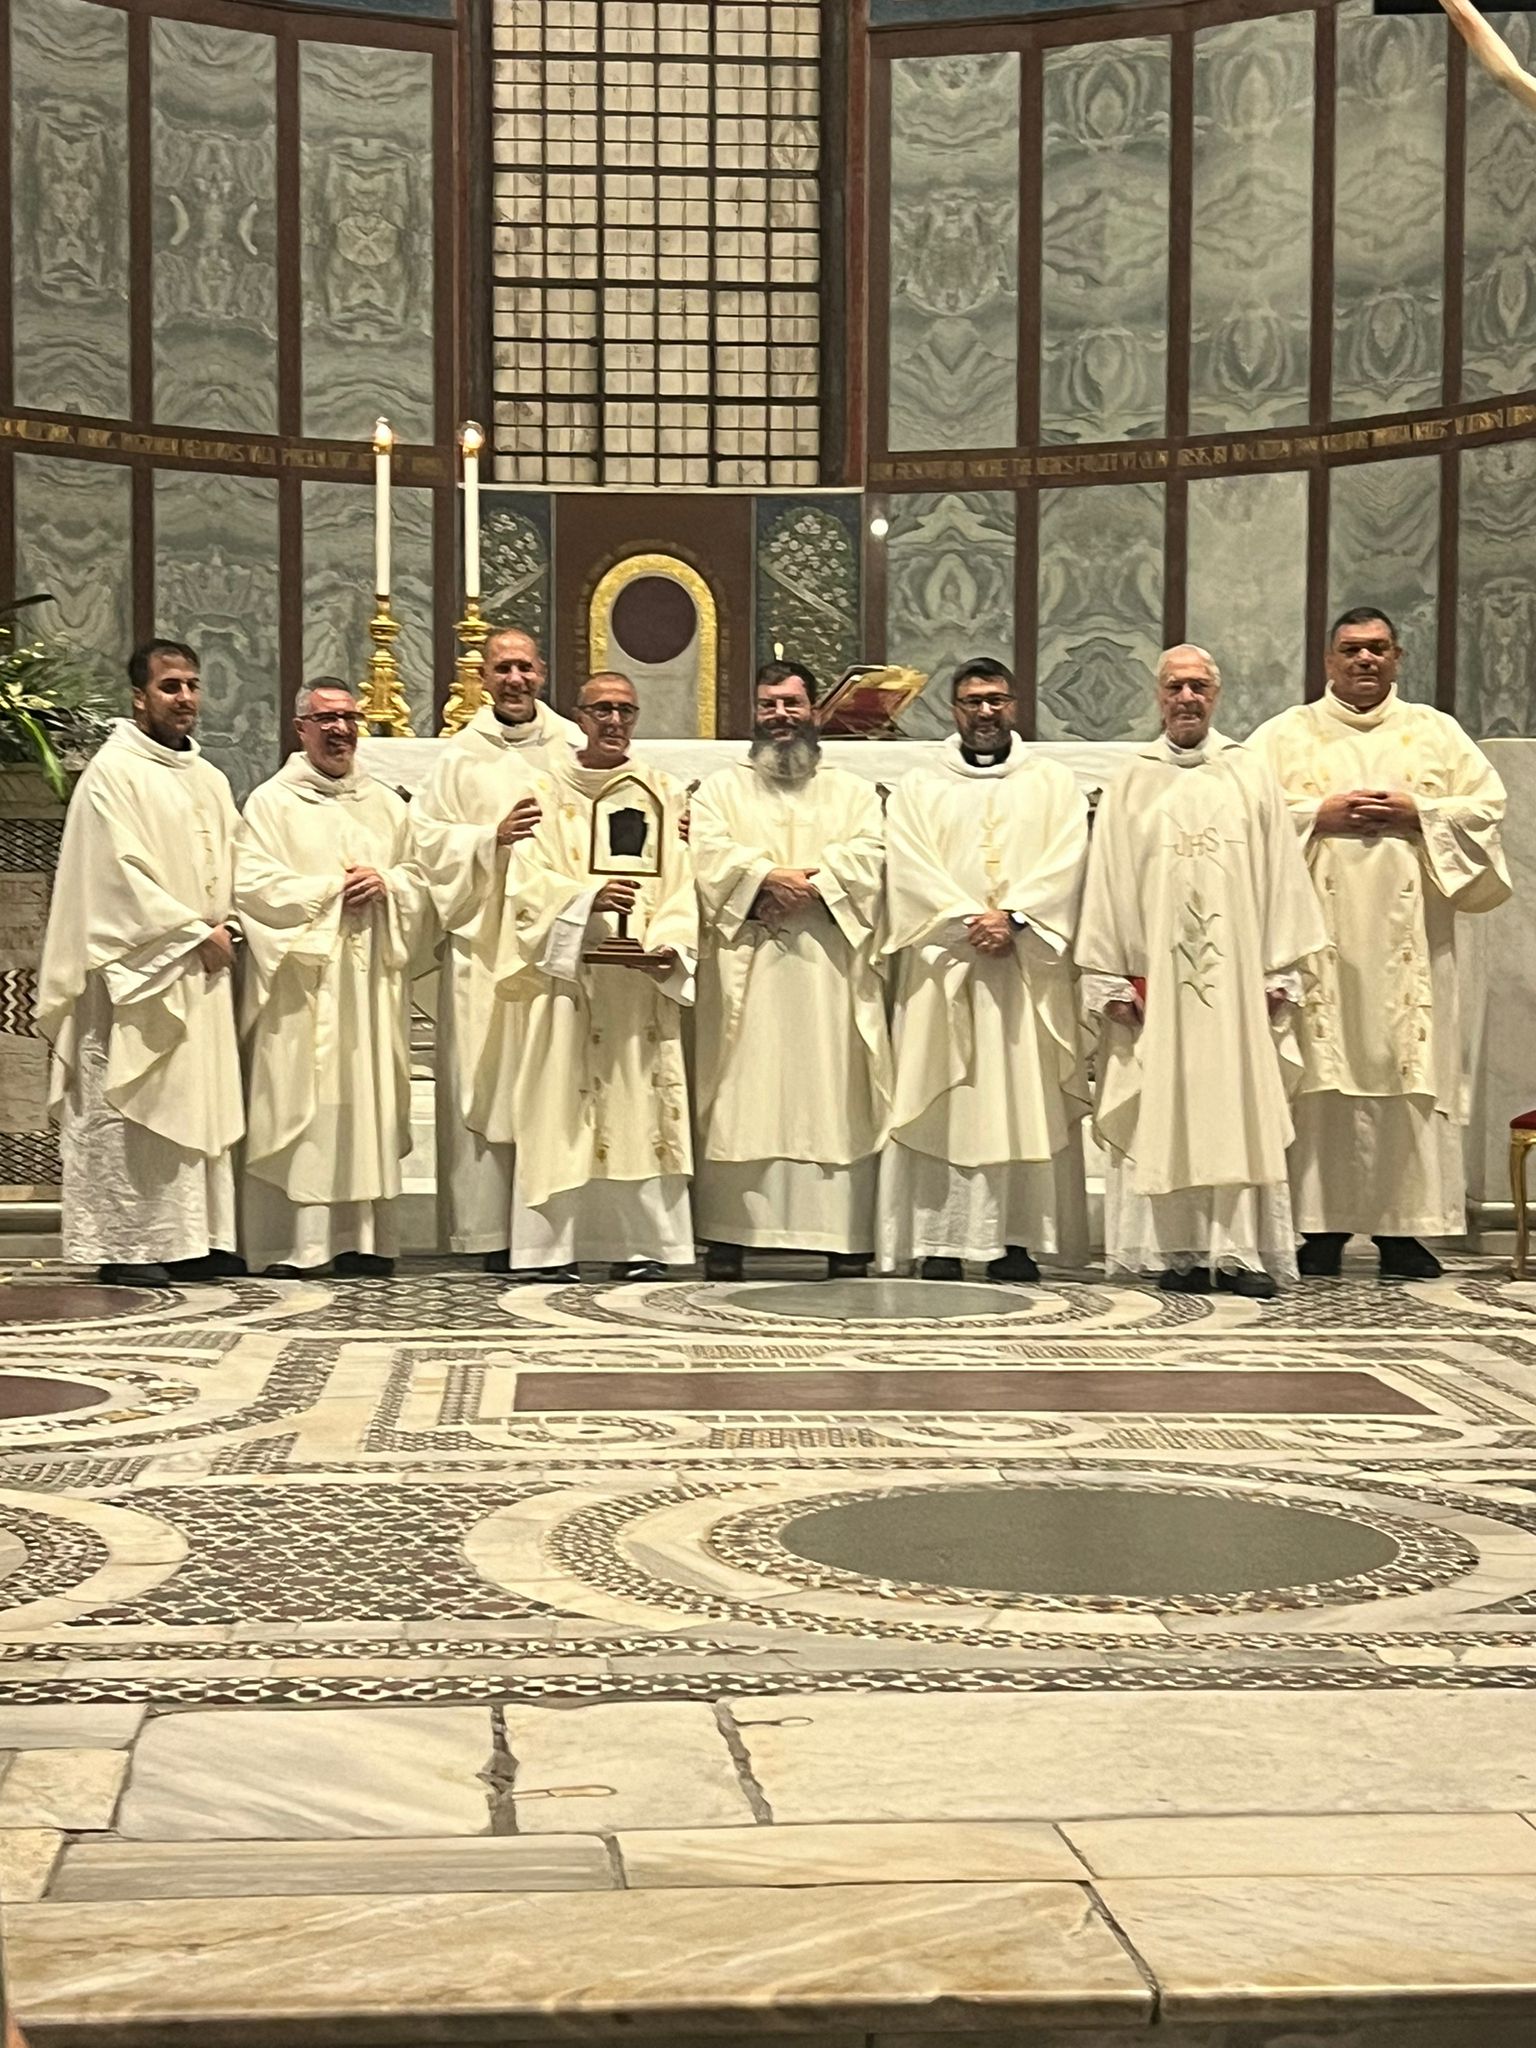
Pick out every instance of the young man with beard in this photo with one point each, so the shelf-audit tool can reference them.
(134, 994)
(984, 868)
(793, 1058)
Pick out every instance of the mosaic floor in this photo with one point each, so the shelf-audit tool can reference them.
(436, 1660)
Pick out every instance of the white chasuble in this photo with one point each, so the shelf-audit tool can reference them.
(145, 1077)
(325, 1013)
(600, 1103)
(1384, 1091)
(478, 776)
(990, 1079)
(1195, 891)
(792, 1050)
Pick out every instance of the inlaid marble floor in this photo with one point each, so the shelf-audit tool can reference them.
(441, 1661)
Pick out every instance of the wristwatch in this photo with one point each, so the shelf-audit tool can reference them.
(1018, 920)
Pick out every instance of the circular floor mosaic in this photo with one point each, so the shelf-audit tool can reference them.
(81, 1302)
(31, 1393)
(881, 1301)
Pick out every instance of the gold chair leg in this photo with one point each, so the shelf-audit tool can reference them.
(1519, 1153)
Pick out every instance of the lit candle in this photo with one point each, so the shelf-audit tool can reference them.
(472, 440)
(383, 442)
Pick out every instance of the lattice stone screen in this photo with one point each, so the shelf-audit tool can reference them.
(656, 250)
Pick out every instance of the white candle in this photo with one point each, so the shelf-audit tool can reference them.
(383, 442)
(472, 438)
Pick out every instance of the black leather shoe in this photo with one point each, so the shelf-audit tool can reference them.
(1196, 1281)
(1015, 1265)
(133, 1276)
(1404, 1258)
(285, 1273)
(496, 1262)
(847, 1265)
(363, 1266)
(722, 1262)
(625, 1270)
(1320, 1255)
(1252, 1286)
(215, 1265)
(941, 1269)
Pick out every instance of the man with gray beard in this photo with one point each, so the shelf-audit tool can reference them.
(793, 1057)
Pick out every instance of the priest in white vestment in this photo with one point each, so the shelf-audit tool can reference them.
(985, 855)
(792, 1051)
(1196, 916)
(334, 912)
(1398, 814)
(600, 1105)
(134, 994)
(474, 806)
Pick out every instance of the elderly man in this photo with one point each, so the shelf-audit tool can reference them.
(475, 805)
(984, 869)
(1399, 817)
(333, 909)
(1196, 916)
(794, 1078)
(600, 1105)
(134, 994)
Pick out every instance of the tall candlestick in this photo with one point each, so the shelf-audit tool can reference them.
(383, 442)
(472, 440)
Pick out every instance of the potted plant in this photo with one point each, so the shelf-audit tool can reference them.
(55, 707)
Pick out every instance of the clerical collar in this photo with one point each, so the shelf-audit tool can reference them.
(1362, 721)
(1197, 755)
(504, 735)
(964, 761)
(126, 734)
(309, 780)
(975, 760)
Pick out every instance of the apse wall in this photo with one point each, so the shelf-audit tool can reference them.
(1204, 321)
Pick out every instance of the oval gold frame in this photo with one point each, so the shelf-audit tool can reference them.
(630, 570)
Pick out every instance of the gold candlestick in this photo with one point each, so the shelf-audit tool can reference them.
(468, 692)
(382, 703)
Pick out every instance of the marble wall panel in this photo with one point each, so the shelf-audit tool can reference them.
(954, 259)
(213, 129)
(365, 140)
(1247, 591)
(1251, 225)
(69, 171)
(1101, 612)
(1496, 599)
(74, 537)
(807, 582)
(1499, 308)
(1389, 224)
(338, 587)
(216, 586)
(1384, 548)
(516, 560)
(949, 591)
(1104, 256)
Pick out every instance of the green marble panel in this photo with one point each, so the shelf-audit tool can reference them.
(807, 581)
(1389, 213)
(949, 591)
(365, 132)
(69, 183)
(1104, 252)
(1101, 612)
(216, 586)
(213, 128)
(338, 587)
(1247, 591)
(74, 537)
(1384, 548)
(954, 262)
(1496, 602)
(1251, 225)
(1499, 306)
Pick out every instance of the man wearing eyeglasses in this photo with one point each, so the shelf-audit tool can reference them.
(475, 806)
(604, 1151)
(335, 912)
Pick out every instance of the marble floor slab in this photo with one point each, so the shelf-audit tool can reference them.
(203, 1870)
(1313, 1845)
(62, 1788)
(920, 1852)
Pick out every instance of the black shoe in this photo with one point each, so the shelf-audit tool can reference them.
(214, 1265)
(363, 1266)
(847, 1265)
(496, 1262)
(941, 1269)
(1252, 1286)
(623, 1271)
(722, 1262)
(1404, 1258)
(1196, 1281)
(544, 1276)
(1320, 1254)
(1015, 1265)
(133, 1276)
(285, 1273)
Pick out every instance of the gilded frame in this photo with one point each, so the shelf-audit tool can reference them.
(630, 570)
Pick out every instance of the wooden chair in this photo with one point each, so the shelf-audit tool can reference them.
(1522, 1137)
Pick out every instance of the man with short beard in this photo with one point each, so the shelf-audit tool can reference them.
(793, 1058)
(478, 803)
